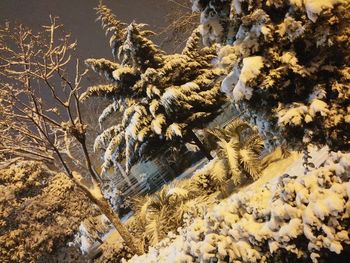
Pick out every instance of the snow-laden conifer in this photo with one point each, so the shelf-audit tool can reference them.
(287, 65)
(162, 97)
(138, 51)
(112, 26)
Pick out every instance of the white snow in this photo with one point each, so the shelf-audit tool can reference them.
(229, 81)
(293, 116)
(250, 70)
(113, 107)
(292, 28)
(318, 106)
(236, 7)
(158, 123)
(315, 7)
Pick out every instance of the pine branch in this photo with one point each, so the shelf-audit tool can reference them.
(112, 25)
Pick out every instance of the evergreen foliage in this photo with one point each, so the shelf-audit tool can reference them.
(112, 26)
(162, 97)
(288, 65)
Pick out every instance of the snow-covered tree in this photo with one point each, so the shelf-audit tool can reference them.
(40, 106)
(164, 211)
(39, 211)
(287, 65)
(162, 97)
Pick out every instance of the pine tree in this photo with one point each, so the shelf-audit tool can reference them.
(162, 97)
(287, 66)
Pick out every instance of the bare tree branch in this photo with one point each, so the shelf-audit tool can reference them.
(33, 71)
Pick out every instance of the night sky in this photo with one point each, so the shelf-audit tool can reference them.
(79, 17)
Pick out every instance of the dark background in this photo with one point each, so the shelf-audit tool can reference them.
(78, 17)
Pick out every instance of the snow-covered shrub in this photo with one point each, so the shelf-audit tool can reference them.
(162, 97)
(91, 230)
(39, 211)
(306, 216)
(287, 66)
(158, 214)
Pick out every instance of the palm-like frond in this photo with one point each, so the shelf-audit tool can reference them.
(240, 147)
(236, 127)
(164, 210)
(229, 152)
(157, 225)
(250, 162)
(218, 133)
(141, 204)
(195, 207)
(209, 178)
(107, 90)
(218, 173)
(255, 143)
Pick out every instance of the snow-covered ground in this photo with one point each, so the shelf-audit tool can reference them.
(189, 171)
(293, 165)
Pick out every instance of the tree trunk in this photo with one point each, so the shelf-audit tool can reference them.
(123, 232)
(106, 209)
(200, 145)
